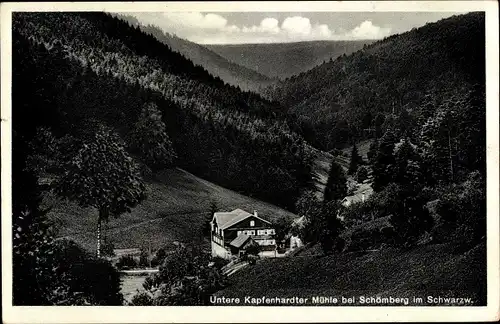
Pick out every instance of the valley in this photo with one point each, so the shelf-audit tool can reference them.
(284, 60)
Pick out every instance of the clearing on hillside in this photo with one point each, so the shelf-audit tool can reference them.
(176, 207)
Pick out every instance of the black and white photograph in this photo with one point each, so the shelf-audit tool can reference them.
(316, 157)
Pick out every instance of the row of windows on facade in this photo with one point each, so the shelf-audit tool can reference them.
(252, 224)
(265, 242)
(259, 232)
(260, 242)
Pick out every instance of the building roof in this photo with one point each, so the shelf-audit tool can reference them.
(240, 240)
(365, 189)
(227, 219)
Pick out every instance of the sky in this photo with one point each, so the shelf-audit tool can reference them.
(275, 27)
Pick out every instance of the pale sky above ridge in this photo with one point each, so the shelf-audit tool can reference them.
(277, 27)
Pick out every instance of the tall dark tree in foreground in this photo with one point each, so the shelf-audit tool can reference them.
(32, 234)
(410, 217)
(321, 222)
(150, 139)
(100, 173)
(463, 209)
(356, 160)
(336, 187)
(329, 226)
(309, 206)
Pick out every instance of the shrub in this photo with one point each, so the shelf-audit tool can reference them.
(252, 259)
(159, 257)
(219, 262)
(410, 218)
(253, 249)
(141, 299)
(151, 282)
(463, 210)
(87, 281)
(185, 278)
(126, 262)
(99, 280)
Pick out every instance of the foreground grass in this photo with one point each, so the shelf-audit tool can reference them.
(434, 270)
(177, 205)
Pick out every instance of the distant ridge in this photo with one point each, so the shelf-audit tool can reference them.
(283, 60)
(231, 73)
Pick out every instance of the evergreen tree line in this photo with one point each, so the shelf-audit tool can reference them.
(410, 174)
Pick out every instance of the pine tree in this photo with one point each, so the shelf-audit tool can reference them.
(356, 160)
(372, 151)
(149, 137)
(407, 169)
(361, 174)
(384, 162)
(336, 187)
(329, 226)
(436, 139)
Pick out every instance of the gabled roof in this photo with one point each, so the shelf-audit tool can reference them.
(358, 196)
(227, 219)
(240, 240)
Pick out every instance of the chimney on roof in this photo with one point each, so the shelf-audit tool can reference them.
(363, 197)
(255, 213)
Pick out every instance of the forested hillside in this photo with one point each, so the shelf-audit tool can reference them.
(71, 69)
(231, 73)
(399, 83)
(281, 60)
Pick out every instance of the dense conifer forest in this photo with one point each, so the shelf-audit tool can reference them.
(400, 83)
(71, 67)
(234, 74)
